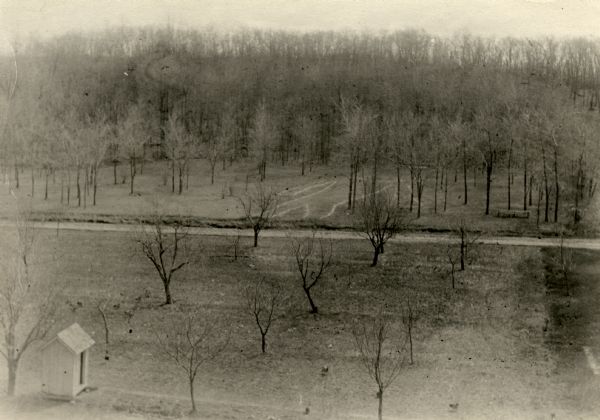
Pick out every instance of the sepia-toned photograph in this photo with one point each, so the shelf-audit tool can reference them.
(299, 209)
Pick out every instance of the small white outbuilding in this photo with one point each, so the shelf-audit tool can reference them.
(65, 363)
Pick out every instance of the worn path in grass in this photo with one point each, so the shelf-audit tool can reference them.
(409, 237)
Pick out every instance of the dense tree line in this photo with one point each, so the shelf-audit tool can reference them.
(443, 108)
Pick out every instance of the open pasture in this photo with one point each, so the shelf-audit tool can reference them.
(481, 345)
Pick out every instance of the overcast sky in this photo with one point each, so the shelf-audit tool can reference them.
(444, 17)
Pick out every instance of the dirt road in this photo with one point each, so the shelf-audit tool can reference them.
(408, 237)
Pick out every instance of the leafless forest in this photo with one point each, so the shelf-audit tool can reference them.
(526, 108)
(357, 186)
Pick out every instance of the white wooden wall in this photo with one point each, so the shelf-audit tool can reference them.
(60, 373)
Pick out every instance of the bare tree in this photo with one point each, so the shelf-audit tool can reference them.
(264, 299)
(165, 249)
(27, 303)
(398, 132)
(234, 245)
(410, 315)
(460, 253)
(565, 262)
(189, 341)
(264, 134)
(488, 149)
(380, 352)
(95, 143)
(467, 242)
(218, 143)
(130, 131)
(259, 207)
(113, 155)
(357, 121)
(453, 258)
(305, 130)
(313, 258)
(459, 133)
(380, 219)
(179, 149)
(102, 307)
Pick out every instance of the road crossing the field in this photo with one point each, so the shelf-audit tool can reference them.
(404, 237)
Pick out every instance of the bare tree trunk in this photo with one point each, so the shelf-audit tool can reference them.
(85, 188)
(32, 181)
(46, 186)
(435, 190)
(420, 187)
(530, 189)
(62, 186)
(376, 253)
(263, 342)
(68, 186)
(173, 175)
(380, 405)
(364, 182)
(488, 185)
(187, 176)
(131, 173)
(464, 153)
(410, 340)
(509, 171)
(212, 173)
(313, 307)
(355, 189)
(180, 173)
(95, 185)
(168, 299)
(115, 172)
(539, 201)
(165, 173)
(192, 397)
(556, 185)
(546, 186)
(350, 186)
(78, 186)
(12, 377)
(397, 185)
(525, 185)
(106, 332)
(445, 188)
(374, 180)
(16, 176)
(462, 248)
(412, 187)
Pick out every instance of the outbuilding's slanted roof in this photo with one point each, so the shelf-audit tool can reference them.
(75, 338)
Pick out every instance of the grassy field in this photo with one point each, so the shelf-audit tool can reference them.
(482, 345)
(318, 198)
